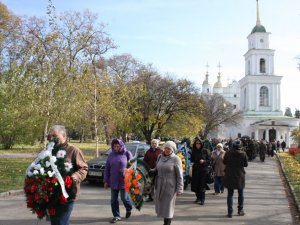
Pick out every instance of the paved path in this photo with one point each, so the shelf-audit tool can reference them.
(265, 203)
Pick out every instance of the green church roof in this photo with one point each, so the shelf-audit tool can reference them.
(258, 29)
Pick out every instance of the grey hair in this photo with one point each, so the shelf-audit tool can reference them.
(61, 129)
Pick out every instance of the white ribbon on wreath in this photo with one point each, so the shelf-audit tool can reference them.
(48, 152)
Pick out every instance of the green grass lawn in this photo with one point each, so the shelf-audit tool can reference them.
(89, 148)
(12, 173)
(12, 170)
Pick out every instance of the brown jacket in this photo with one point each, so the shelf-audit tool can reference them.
(80, 167)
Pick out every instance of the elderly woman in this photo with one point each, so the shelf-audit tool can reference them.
(168, 183)
(217, 157)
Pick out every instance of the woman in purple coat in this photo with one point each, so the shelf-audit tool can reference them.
(114, 178)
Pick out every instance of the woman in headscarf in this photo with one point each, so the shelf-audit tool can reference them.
(168, 182)
(201, 159)
(114, 178)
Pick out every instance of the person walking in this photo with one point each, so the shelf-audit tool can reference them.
(168, 182)
(217, 157)
(80, 167)
(283, 145)
(114, 178)
(235, 160)
(150, 158)
(201, 159)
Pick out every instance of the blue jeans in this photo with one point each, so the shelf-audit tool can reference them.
(218, 185)
(115, 202)
(230, 200)
(63, 217)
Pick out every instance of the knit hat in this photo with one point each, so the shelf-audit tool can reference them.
(170, 145)
(155, 141)
(220, 145)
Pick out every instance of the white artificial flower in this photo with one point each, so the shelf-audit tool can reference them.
(48, 164)
(53, 158)
(50, 174)
(61, 154)
(29, 173)
(68, 166)
(35, 172)
(38, 166)
(42, 171)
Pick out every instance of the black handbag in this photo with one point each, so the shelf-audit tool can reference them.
(210, 176)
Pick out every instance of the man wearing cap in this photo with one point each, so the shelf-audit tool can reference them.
(150, 158)
(217, 157)
(235, 160)
(168, 183)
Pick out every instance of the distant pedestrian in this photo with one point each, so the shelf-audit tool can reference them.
(217, 157)
(283, 145)
(235, 161)
(168, 183)
(114, 178)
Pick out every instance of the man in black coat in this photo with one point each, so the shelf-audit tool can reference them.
(235, 161)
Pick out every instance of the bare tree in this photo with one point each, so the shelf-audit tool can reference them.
(217, 111)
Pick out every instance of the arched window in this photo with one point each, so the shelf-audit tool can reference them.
(262, 65)
(248, 67)
(264, 96)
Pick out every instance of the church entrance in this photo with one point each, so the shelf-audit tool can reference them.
(272, 135)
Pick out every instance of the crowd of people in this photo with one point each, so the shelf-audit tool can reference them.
(227, 158)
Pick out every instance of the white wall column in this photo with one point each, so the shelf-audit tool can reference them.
(277, 134)
(256, 134)
(267, 135)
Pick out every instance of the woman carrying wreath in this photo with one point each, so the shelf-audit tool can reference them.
(114, 178)
(168, 182)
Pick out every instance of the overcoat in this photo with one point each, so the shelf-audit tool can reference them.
(235, 161)
(168, 182)
(217, 162)
(198, 182)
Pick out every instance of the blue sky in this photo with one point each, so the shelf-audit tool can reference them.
(181, 36)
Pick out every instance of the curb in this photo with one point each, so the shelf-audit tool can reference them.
(11, 193)
(291, 188)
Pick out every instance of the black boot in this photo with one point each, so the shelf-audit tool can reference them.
(167, 221)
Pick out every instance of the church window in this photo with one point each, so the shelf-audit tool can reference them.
(234, 106)
(264, 96)
(249, 67)
(207, 90)
(234, 95)
(262, 65)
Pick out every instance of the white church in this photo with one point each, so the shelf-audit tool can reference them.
(257, 94)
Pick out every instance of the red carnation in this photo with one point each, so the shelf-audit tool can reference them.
(68, 181)
(47, 180)
(33, 188)
(54, 180)
(40, 213)
(51, 211)
(37, 197)
(29, 204)
(50, 188)
(46, 198)
(62, 199)
(44, 187)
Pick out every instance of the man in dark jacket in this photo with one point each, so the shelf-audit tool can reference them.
(235, 161)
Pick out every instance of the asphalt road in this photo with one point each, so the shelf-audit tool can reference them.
(266, 203)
